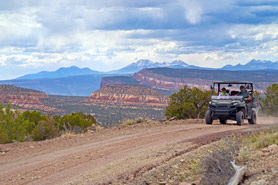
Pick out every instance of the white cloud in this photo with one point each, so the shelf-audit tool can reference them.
(193, 10)
(15, 26)
(108, 34)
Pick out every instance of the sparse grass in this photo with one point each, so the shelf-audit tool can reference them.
(253, 138)
(194, 166)
(241, 149)
(264, 138)
(68, 134)
(147, 120)
(182, 177)
(244, 155)
(129, 122)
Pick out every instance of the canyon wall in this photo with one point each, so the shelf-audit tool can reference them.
(128, 95)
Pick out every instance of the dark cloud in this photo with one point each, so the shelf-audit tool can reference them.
(116, 27)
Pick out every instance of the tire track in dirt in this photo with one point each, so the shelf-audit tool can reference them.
(88, 162)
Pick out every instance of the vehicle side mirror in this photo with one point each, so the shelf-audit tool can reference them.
(211, 87)
(248, 86)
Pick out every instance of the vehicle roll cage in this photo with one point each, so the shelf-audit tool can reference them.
(248, 85)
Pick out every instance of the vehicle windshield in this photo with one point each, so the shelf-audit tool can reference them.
(232, 89)
(227, 97)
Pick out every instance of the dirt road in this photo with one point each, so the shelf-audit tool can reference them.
(121, 155)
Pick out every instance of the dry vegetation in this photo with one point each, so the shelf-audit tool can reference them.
(245, 149)
(130, 122)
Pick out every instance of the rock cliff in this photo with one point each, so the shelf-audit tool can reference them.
(25, 98)
(128, 95)
(167, 80)
(159, 81)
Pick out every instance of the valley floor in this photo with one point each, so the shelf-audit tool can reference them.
(141, 154)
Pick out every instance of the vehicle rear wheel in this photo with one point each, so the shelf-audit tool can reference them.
(208, 117)
(239, 117)
(253, 119)
(223, 121)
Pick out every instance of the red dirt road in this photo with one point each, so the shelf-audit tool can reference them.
(110, 156)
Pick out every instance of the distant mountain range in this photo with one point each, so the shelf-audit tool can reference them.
(62, 72)
(81, 85)
(253, 65)
(130, 69)
(144, 64)
(76, 81)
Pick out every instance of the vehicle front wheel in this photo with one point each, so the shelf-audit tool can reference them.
(209, 117)
(239, 117)
(223, 121)
(253, 119)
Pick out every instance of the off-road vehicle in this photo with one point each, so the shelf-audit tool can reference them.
(232, 106)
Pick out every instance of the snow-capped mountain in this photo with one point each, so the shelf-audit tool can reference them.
(253, 65)
(143, 64)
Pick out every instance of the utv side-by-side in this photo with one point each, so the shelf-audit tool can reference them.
(231, 106)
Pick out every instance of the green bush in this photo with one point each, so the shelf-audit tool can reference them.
(16, 126)
(46, 129)
(75, 122)
(11, 128)
(188, 103)
(270, 102)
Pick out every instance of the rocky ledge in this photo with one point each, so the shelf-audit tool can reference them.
(26, 99)
(128, 95)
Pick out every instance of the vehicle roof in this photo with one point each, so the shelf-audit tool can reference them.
(233, 82)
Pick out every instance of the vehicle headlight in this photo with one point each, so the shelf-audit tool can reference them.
(235, 103)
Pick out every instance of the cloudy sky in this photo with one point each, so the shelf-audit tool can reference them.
(109, 34)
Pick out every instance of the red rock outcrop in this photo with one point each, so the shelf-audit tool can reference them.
(157, 81)
(128, 95)
(25, 98)
(162, 82)
(171, 80)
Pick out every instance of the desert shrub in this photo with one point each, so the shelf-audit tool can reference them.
(18, 127)
(270, 102)
(3, 136)
(188, 103)
(139, 120)
(75, 122)
(46, 129)
(11, 128)
(35, 116)
(126, 122)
